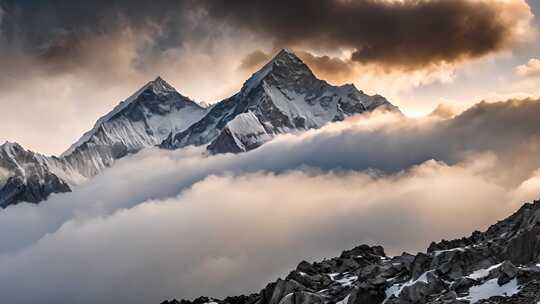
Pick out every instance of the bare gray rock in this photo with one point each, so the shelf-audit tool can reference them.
(481, 266)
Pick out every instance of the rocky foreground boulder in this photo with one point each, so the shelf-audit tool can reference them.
(500, 265)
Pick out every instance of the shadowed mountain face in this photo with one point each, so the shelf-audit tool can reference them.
(284, 96)
(497, 266)
(26, 176)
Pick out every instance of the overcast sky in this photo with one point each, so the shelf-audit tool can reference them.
(163, 224)
(65, 64)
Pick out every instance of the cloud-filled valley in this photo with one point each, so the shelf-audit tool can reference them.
(162, 224)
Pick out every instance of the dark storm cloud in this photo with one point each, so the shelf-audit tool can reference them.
(411, 34)
(408, 34)
(63, 34)
(52, 24)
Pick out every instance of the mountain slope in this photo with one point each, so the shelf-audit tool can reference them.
(143, 120)
(31, 177)
(500, 265)
(284, 96)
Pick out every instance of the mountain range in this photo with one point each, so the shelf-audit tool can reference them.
(282, 97)
(497, 266)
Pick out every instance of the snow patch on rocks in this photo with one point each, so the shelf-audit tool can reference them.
(490, 289)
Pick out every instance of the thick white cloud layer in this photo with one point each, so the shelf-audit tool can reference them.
(164, 224)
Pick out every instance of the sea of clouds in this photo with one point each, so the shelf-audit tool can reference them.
(164, 224)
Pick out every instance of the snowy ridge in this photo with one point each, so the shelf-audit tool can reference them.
(284, 96)
(31, 177)
(245, 132)
(143, 120)
(158, 86)
(24, 163)
(245, 124)
(283, 57)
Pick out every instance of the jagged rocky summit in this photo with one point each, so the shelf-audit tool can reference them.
(284, 96)
(500, 265)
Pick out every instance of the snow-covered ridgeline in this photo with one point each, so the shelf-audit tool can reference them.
(143, 120)
(284, 96)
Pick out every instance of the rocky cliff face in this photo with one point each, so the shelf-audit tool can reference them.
(31, 177)
(283, 97)
(500, 265)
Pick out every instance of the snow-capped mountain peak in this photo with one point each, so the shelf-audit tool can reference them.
(285, 56)
(282, 97)
(144, 119)
(158, 87)
(284, 66)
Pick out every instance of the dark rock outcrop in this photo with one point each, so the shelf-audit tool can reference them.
(497, 266)
(33, 189)
(30, 176)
